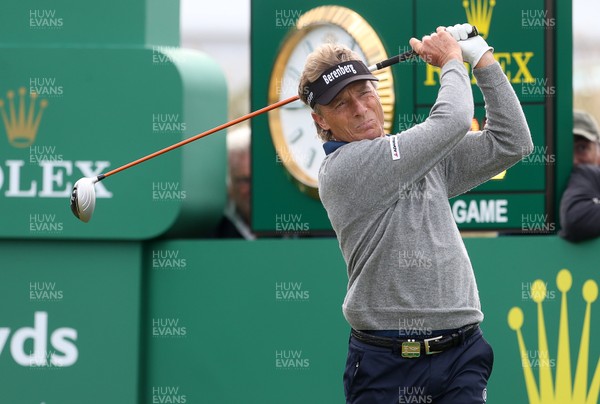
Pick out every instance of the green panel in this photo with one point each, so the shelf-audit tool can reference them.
(134, 22)
(226, 314)
(518, 211)
(506, 269)
(87, 299)
(563, 119)
(105, 108)
(203, 162)
(233, 319)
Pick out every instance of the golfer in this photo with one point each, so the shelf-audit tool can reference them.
(412, 300)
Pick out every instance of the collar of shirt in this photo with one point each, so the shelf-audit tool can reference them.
(332, 146)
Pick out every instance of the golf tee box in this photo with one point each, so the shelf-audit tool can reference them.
(92, 94)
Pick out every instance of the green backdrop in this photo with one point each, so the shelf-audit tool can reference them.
(223, 321)
(107, 312)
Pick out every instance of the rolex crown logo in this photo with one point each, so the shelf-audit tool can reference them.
(562, 390)
(21, 123)
(479, 14)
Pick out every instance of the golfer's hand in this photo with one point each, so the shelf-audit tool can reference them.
(474, 48)
(438, 48)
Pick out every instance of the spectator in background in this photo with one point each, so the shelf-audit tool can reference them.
(586, 139)
(580, 203)
(236, 218)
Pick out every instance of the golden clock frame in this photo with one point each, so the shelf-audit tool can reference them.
(372, 47)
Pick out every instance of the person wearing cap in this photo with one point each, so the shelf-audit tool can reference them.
(412, 300)
(580, 203)
(586, 139)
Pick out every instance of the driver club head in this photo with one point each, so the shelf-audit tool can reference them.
(83, 199)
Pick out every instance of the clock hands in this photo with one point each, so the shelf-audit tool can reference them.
(295, 105)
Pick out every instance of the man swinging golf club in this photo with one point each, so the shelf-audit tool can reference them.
(412, 300)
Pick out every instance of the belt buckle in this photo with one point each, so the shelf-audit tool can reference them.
(411, 349)
(426, 343)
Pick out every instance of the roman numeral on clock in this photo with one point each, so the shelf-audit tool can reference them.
(311, 157)
(296, 135)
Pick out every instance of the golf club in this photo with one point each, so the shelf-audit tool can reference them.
(83, 196)
(408, 55)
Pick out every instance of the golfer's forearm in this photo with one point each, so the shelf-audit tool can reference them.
(453, 108)
(506, 122)
(425, 145)
(486, 60)
(502, 143)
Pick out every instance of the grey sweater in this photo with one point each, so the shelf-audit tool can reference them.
(387, 200)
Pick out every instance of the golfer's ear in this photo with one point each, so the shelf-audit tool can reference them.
(320, 121)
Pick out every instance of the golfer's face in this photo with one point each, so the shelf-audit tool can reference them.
(354, 114)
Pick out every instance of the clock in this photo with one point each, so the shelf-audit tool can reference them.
(294, 135)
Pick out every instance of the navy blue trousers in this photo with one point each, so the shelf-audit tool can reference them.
(459, 375)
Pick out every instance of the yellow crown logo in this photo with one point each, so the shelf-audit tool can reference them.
(20, 129)
(479, 14)
(561, 390)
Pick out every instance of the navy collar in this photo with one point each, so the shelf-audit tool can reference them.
(332, 146)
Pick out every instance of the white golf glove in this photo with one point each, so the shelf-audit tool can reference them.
(472, 48)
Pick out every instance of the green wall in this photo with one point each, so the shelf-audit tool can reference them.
(220, 321)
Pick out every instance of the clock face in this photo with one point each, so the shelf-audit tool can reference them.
(297, 127)
(293, 131)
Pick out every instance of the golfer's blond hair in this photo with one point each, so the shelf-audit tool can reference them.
(321, 59)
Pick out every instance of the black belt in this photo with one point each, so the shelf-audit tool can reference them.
(411, 348)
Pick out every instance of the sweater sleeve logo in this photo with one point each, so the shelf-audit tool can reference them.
(394, 147)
